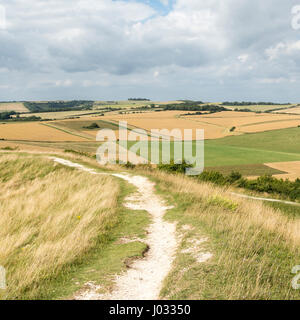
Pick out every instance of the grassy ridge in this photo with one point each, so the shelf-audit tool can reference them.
(254, 247)
(68, 234)
(59, 225)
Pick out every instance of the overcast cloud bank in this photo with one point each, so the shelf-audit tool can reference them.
(185, 49)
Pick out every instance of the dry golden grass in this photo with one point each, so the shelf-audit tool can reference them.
(254, 247)
(253, 212)
(34, 131)
(14, 146)
(50, 217)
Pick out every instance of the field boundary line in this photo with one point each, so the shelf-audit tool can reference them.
(266, 122)
(66, 131)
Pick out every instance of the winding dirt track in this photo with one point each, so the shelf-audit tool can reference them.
(143, 281)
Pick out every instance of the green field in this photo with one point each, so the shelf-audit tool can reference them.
(249, 151)
(283, 141)
(80, 125)
(218, 155)
(245, 153)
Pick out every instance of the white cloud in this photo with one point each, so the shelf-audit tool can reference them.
(128, 48)
(281, 49)
(243, 58)
(63, 83)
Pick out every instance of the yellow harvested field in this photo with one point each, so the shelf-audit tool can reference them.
(292, 168)
(163, 120)
(34, 131)
(146, 115)
(167, 120)
(290, 110)
(216, 125)
(60, 114)
(13, 106)
(270, 126)
(241, 119)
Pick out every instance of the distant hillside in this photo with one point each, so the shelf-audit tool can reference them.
(54, 106)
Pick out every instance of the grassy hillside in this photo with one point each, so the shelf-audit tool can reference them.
(50, 218)
(60, 228)
(284, 140)
(54, 106)
(255, 148)
(249, 149)
(253, 246)
(69, 234)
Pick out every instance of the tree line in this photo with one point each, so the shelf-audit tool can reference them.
(281, 187)
(138, 99)
(248, 103)
(193, 106)
(15, 116)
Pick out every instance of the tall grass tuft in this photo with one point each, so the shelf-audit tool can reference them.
(254, 246)
(50, 217)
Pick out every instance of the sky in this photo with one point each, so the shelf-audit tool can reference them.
(209, 50)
